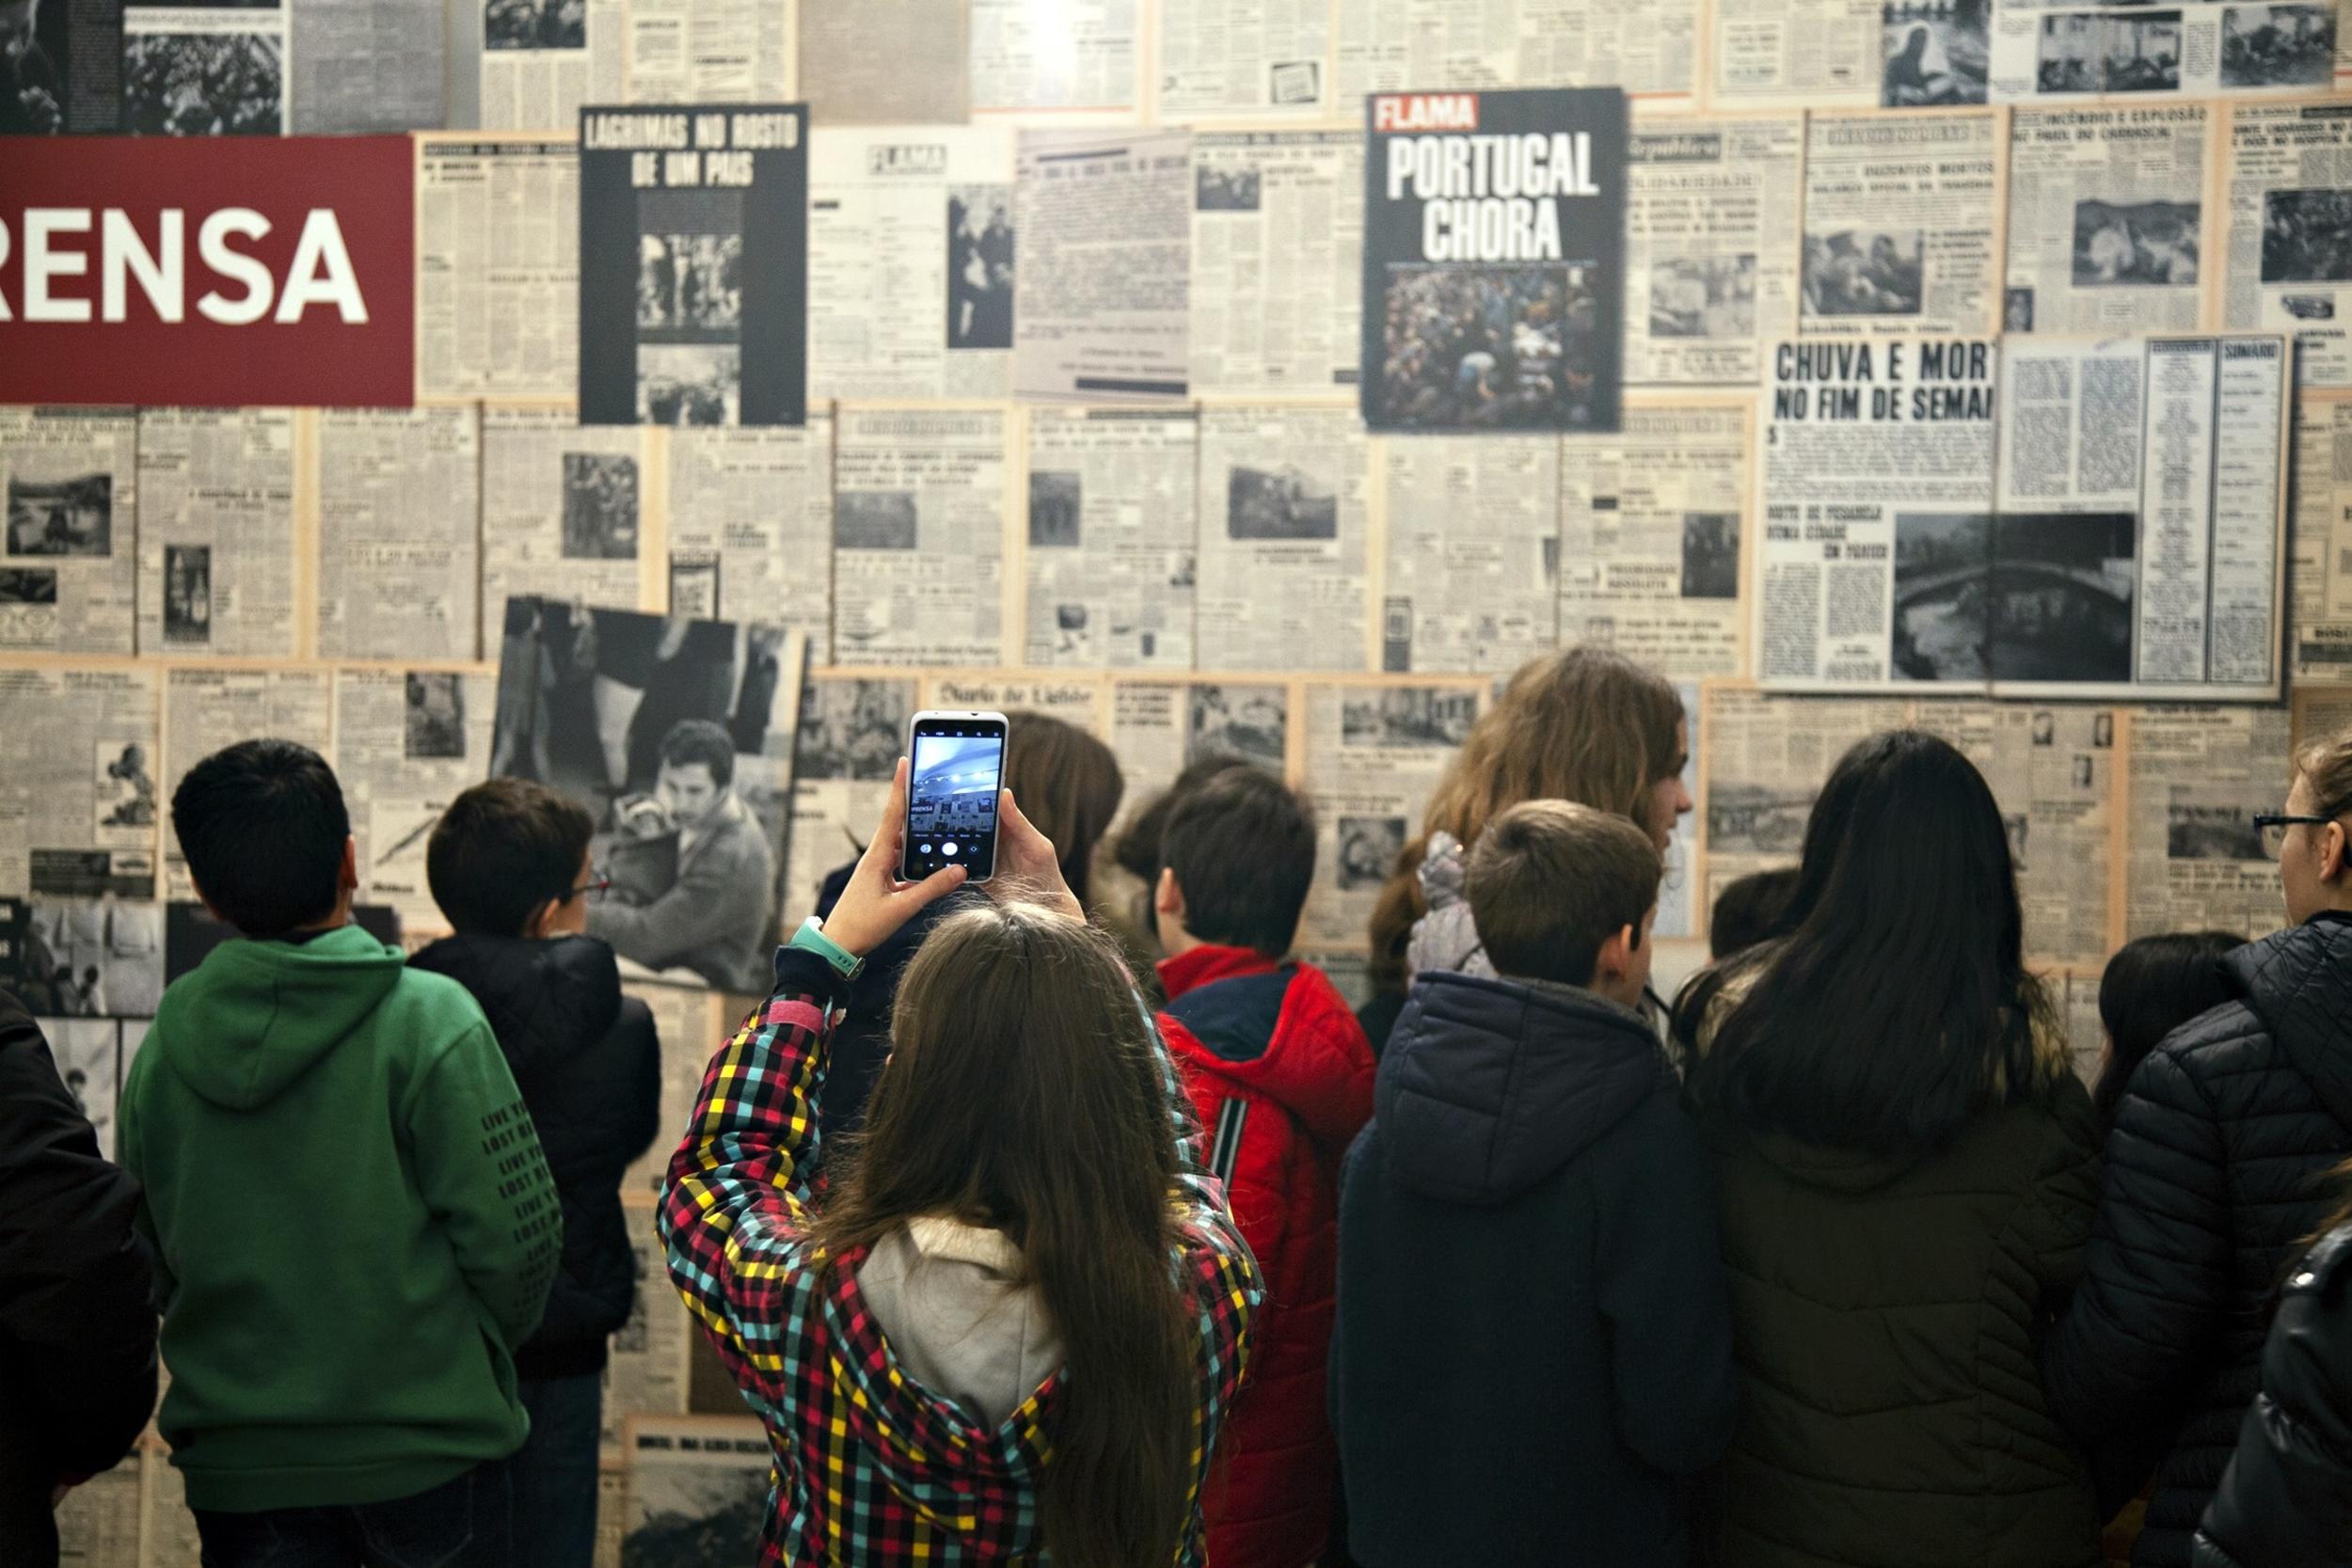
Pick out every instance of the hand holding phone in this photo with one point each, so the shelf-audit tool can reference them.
(876, 902)
(956, 771)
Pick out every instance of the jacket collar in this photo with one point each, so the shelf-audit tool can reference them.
(1209, 964)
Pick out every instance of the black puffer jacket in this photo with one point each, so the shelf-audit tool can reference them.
(590, 1069)
(2216, 1170)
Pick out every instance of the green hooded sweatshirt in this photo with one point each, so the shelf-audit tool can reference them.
(354, 1223)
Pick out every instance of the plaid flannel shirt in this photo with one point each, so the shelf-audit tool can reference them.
(870, 1469)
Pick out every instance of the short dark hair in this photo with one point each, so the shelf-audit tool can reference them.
(1137, 850)
(2151, 987)
(1243, 849)
(262, 825)
(1748, 911)
(501, 850)
(692, 740)
(1552, 880)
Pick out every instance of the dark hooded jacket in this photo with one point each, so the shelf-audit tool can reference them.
(2218, 1171)
(1532, 1349)
(589, 1066)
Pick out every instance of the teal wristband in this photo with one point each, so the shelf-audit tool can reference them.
(811, 938)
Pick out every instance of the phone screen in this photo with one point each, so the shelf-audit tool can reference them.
(953, 776)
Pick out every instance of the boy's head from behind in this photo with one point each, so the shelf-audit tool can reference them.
(266, 836)
(507, 858)
(2151, 987)
(1238, 855)
(1563, 892)
(1749, 911)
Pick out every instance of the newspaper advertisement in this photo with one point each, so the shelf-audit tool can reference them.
(910, 261)
(62, 73)
(853, 730)
(204, 710)
(1644, 46)
(206, 70)
(880, 62)
(2196, 50)
(79, 812)
(1076, 55)
(1112, 558)
(697, 1490)
(690, 1025)
(562, 510)
(400, 569)
(1711, 248)
(1763, 759)
(645, 1365)
(918, 537)
(216, 531)
(751, 526)
(1284, 547)
(369, 67)
(2107, 219)
(1878, 491)
(68, 581)
(1798, 54)
(1243, 57)
(1373, 753)
(98, 1521)
(1278, 235)
(1653, 529)
(1103, 221)
(1160, 728)
(693, 275)
(2198, 776)
(497, 267)
(538, 61)
(1471, 570)
(1494, 260)
(1902, 225)
(2320, 571)
(2288, 264)
(406, 743)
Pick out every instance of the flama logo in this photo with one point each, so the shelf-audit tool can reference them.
(1425, 111)
(907, 158)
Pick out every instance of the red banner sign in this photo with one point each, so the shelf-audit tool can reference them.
(210, 270)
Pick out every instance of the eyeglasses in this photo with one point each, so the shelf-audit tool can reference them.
(599, 882)
(2273, 828)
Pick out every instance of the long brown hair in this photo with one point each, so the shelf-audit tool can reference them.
(1068, 783)
(1582, 724)
(1024, 1093)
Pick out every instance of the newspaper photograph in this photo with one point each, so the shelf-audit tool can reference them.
(406, 743)
(1902, 225)
(751, 525)
(85, 1045)
(1711, 248)
(1102, 288)
(538, 61)
(400, 502)
(96, 953)
(1798, 54)
(2199, 775)
(79, 815)
(1243, 57)
(883, 62)
(1644, 46)
(853, 730)
(369, 68)
(918, 537)
(910, 261)
(1933, 53)
(204, 710)
(1494, 260)
(216, 531)
(61, 69)
(2319, 570)
(2288, 263)
(645, 1365)
(1653, 535)
(497, 267)
(1373, 753)
(2107, 219)
(1764, 760)
(2194, 51)
(1112, 556)
(697, 1490)
(693, 280)
(563, 511)
(206, 70)
(690, 1025)
(1160, 728)
(1284, 539)
(1076, 56)
(70, 571)
(1472, 569)
(1278, 235)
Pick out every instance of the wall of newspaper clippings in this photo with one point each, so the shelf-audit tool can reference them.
(1980, 365)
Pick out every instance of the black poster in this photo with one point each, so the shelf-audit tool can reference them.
(1494, 260)
(694, 265)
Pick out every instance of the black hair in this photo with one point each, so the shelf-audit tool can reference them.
(2151, 987)
(264, 825)
(1749, 911)
(692, 740)
(1137, 850)
(1243, 849)
(501, 850)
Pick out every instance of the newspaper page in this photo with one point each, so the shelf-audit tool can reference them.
(562, 511)
(611, 1517)
(2288, 262)
(2140, 538)
(1160, 728)
(2107, 219)
(712, 51)
(1278, 235)
(918, 537)
(217, 532)
(406, 743)
(1076, 55)
(538, 61)
(853, 730)
(1645, 46)
(1796, 53)
(1472, 575)
(1373, 753)
(98, 1522)
(1653, 535)
(79, 812)
(645, 1365)
(1103, 288)
(400, 503)
(690, 1024)
(65, 77)
(751, 525)
(497, 267)
(207, 70)
(67, 582)
(697, 1489)
(1877, 487)
(2085, 1032)
(206, 709)
(1283, 539)
(369, 67)
(2320, 571)
(1763, 759)
(910, 261)
(1711, 247)
(172, 1539)
(1243, 57)
(1902, 224)
(2199, 775)
(885, 61)
(1113, 555)
(2198, 51)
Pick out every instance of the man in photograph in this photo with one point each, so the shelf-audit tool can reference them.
(701, 892)
(31, 95)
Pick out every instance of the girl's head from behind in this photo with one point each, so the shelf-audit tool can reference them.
(1070, 784)
(2151, 987)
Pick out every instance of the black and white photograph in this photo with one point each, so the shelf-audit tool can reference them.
(697, 1492)
(88, 1053)
(1711, 554)
(2309, 307)
(90, 958)
(28, 585)
(1752, 820)
(2017, 309)
(123, 795)
(2307, 236)
(69, 516)
(2278, 46)
(690, 383)
(36, 55)
(1702, 296)
(2057, 597)
(2136, 243)
(1936, 52)
(694, 585)
(1499, 348)
(1943, 583)
(874, 520)
(1863, 272)
(689, 281)
(203, 85)
(434, 724)
(852, 729)
(2092, 51)
(1287, 502)
(189, 593)
(534, 24)
(979, 266)
(1369, 847)
(2045, 728)
(1225, 190)
(2083, 772)
(1406, 716)
(1055, 496)
(1251, 722)
(2103, 731)
(2211, 822)
(599, 506)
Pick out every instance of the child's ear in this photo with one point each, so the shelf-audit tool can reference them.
(1614, 960)
(535, 922)
(1167, 898)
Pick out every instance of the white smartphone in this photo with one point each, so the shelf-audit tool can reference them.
(955, 767)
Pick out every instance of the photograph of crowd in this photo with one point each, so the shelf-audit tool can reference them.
(979, 266)
(1711, 554)
(2091, 52)
(69, 516)
(92, 957)
(1287, 502)
(1936, 52)
(534, 24)
(2141, 242)
(692, 282)
(1225, 190)
(2211, 822)
(1250, 722)
(1702, 296)
(1055, 498)
(2307, 236)
(690, 383)
(1489, 348)
(2276, 46)
(1369, 847)
(852, 729)
(1408, 716)
(1862, 272)
(874, 520)
(203, 85)
(187, 593)
(599, 506)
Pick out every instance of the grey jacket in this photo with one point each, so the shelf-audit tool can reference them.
(716, 919)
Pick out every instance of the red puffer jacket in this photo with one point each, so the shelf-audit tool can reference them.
(1281, 1075)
